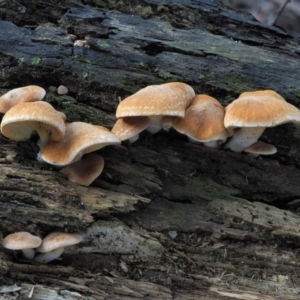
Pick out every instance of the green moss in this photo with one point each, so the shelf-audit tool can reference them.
(296, 92)
(166, 75)
(100, 3)
(103, 44)
(36, 61)
(85, 75)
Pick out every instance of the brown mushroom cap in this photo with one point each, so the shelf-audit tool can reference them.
(130, 127)
(260, 109)
(157, 100)
(23, 119)
(260, 148)
(21, 240)
(30, 93)
(252, 112)
(203, 120)
(84, 171)
(56, 240)
(80, 138)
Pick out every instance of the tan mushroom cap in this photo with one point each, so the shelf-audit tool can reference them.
(203, 120)
(165, 99)
(261, 148)
(23, 119)
(86, 170)
(56, 240)
(80, 138)
(30, 93)
(260, 109)
(21, 240)
(129, 127)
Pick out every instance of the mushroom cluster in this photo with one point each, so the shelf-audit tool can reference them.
(170, 105)
(51, 247)
(203, 119)
(71, 146)
(61, 144)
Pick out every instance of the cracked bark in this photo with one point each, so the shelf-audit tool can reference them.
(234, 217)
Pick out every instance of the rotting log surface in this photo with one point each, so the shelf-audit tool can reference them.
(167, 219)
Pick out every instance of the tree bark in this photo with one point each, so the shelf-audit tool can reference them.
(166, 219)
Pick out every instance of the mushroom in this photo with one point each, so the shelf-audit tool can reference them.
(84, 171)
(248, 116)
(22, 120)
(23, 241)
(53, 245)
(80, 138)
(30, 93)
(260, 148)
(62, 90)
(128, 128)
(203, 122)
(156, 101)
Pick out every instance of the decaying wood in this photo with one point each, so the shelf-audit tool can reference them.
(166, 219)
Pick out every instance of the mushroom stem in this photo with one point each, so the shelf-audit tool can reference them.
(28, 253)
(155, 124)
(212, 144)
(134, 138)
(243, 138)
(49, 256)
(44, 137)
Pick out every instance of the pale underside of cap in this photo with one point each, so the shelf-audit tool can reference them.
(56, 240)
(203, 120)
(260, 109)
(84, 171)
(21, 240)
(157, 100)
(128, 127)
(80, 138)
(261, 148)
(23, 119)
(30, 93)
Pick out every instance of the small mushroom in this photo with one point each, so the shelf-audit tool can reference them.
(260, 148)
(22, 120)
(24, 241)
(248, 116)
(128, 128)
(30, 93)
(80, 138)
(156, 101)
(53, 245)
(62, 90)
(203, 122)
(84, 171)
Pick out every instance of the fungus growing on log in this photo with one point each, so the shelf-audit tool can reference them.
(203, 122)
(128, 128)
(53, 245)
(30, 93)
(154, 102)
(248, 116)
(24, 241)
(80, 138)
(84, 171)
(260, 148)
(22, 120)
